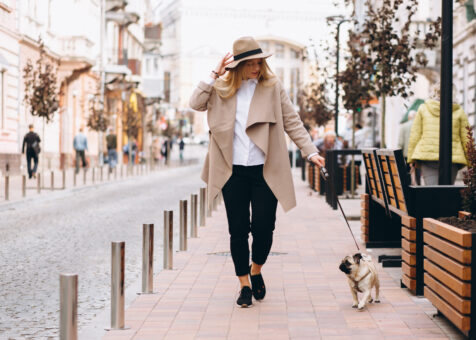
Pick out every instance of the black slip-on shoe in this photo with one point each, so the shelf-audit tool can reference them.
(258, 286)
(245, 297)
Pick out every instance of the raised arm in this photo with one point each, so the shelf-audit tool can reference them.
(201, 95)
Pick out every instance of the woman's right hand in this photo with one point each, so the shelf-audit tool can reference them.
(224, 62)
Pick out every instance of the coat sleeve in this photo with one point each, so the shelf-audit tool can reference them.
(415, 135)
(294, 126)
(201, 96)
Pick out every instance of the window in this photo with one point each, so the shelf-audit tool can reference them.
(295, 54)
(167, 86)
(294, 85)
(279, 50)
(280, 73)
(147, 66)
(2, 98)
(156, 65)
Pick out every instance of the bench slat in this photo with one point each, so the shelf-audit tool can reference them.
(409, 222)
(459, 287)
(460, 271)
(408, 282)
(408, 258)
(461, 305)
(457, 253)
(460, 321)
(410, 247)
(408, 270)
(409, 234)
(446, 231)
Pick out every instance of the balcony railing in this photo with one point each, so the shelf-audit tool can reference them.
(76, 47)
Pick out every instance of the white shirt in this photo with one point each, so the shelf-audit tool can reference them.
(245, 152)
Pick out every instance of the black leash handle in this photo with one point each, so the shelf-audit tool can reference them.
(325, 175)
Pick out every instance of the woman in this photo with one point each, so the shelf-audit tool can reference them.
(248, 113)
(423, 146)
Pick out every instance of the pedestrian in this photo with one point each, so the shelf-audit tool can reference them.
(111, 142)
(248, 113)
(403, 140)
(32, 142)
(423, 146)
(166, 149)
(181, 148)
(80, 145)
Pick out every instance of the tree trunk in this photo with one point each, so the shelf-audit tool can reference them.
(383, 145)
(42, 178)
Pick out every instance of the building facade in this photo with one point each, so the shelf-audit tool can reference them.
(464, 56)
(196, 34)
(9, 84)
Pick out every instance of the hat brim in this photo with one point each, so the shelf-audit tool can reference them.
(254, 56)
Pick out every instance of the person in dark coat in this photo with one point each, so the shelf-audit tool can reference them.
(32, 142)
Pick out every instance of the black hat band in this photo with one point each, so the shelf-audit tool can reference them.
(247, 54)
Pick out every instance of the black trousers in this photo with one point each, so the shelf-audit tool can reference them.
(31, 155)
(247, 188)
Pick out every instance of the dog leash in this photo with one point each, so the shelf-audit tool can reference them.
(325, 175)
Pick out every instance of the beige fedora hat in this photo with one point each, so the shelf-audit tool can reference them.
(246, 48)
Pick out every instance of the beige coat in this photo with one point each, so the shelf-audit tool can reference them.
(271, 114)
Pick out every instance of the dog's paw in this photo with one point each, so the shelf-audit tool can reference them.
(361, 308)
(354, 305)
(377, 301)
(371, 300)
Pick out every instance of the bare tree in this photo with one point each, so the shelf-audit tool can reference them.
(314, 106)
(390, 46)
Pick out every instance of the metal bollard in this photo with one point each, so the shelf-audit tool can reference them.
(101, 174)
(193, 215)
(147, 258)
(109, 170)
(84, 176)
(64, 179)
(183, 225)
(23, 186)
(118, 250)
(115, 172)
(122, 170)
(52, 180)
(74, 178)
(93, 175)
(7, 187)
(168, 239)
(68, 307)
(203, 199)
(38, 183)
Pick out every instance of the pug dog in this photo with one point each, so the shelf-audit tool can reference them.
(362, 277)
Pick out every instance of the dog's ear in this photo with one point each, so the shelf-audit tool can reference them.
(357, 257)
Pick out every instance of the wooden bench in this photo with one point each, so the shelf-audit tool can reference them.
(380, 228)
(411, 204)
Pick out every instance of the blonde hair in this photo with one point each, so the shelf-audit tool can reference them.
(231, 82)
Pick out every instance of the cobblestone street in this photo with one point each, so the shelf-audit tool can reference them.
(71, 231)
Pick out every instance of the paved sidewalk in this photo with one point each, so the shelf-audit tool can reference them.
(307, 296)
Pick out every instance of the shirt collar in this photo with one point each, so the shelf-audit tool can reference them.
(252, 81)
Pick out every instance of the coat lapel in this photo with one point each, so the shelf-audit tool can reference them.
(260, 116)
(222, 128)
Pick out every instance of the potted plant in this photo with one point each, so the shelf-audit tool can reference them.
(449, 256)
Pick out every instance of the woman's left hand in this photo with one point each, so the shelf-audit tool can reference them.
(318, 160)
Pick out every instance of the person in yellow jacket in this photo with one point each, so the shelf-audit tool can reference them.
(424, 143)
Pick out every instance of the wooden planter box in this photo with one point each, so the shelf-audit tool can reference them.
(448, 281)
(409, 253)
(364, 217)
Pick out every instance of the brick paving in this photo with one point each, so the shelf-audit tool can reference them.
(307, 296)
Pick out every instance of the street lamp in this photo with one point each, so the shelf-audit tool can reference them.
(446, 93)
(340, 20)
